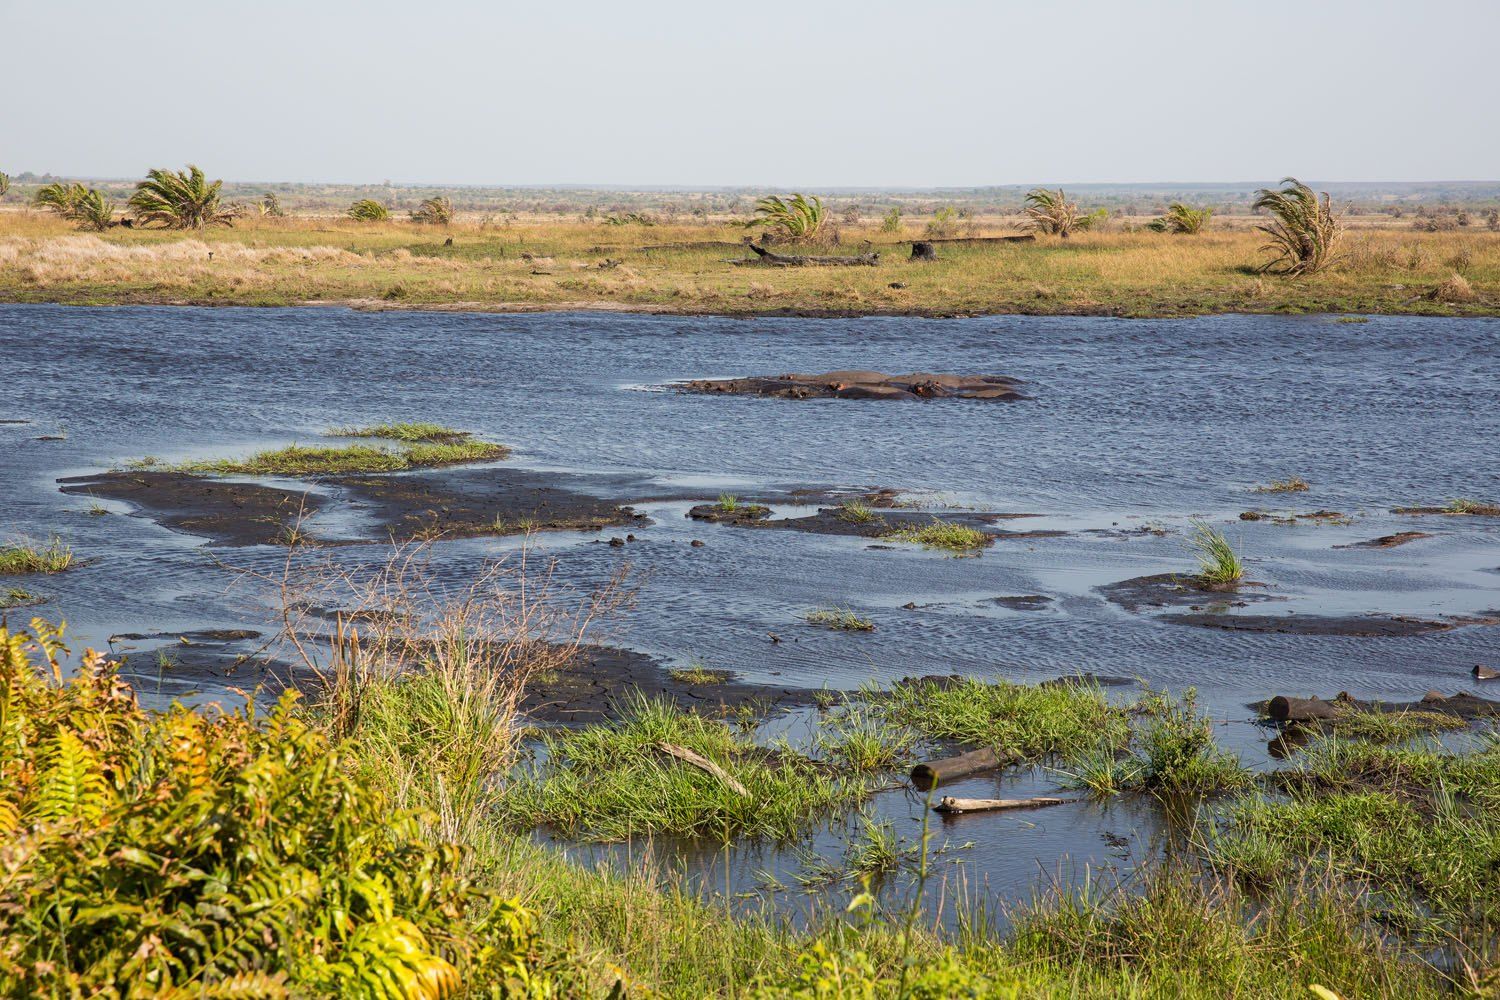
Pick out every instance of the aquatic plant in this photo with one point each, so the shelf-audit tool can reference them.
(940, 534)
(180, 199)
(435, 211)
(1051, 213)
(1218, 563)
(1182, 220)
(226, 856)
(1305, 234)
(841, 619)
(27, 556)
(368, 210)
(794, 218)
(856, 512)
(314, 460)
(1291, 484)
(728, 503)
(17, 597)
(408, 432)
(1465, 506)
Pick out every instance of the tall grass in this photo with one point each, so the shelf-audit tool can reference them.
(28, 556)
(1218, 563)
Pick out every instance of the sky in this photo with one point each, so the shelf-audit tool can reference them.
(816, 93)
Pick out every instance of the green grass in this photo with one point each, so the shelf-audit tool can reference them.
(27, 556)
(728, 503)
(698, 674)
(940, 534)
(411, 433)
(1026, 722)
(1463, 506)
(1292, 484)
(856, 512)
(1218, 563)
(840, 619)
(303, 460)
(1394, 727)
(613, 782)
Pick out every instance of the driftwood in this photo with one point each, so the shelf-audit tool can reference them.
(768, 258)
(1484, 673)
(703, 764)
(949, 804)
(1463, 705)
(932, 773)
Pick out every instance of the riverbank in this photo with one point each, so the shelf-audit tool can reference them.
(690, 269)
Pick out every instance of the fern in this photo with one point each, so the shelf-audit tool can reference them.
(71, 786)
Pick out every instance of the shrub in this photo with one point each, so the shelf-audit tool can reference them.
(270, 205)
(368, 210)
(891, 222)
(180, 200)
(944, 223)
(178, 854)
(4, 184)
(436, 211)
(1305, 234)
(1182, 220)
(794, 218)
(1051, 213)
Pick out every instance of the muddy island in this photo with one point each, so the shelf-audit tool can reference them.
(859, 384)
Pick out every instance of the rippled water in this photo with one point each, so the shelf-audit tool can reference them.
(1132, 422)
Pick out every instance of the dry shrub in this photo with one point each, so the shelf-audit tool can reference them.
(1455, 289)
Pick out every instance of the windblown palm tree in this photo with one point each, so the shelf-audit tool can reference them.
(180, 200)
(93, 212)
(1182, 220)
(1305, 234)
(60, 198)
(795, 218)
(1051, 212)
(368, 210)
(434, 211)
(4, 183)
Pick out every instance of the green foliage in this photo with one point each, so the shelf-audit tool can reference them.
(52, 556)
(1218, 563)
(1051, 213)
(795, 218)
(840, 619)
(368, 210)
(891, 221)
(176, 854)
(615, 781)
(270, 206)
(728, 503)
(1022, 720)
(1182, 220)
(435, 211)
(940, 534)
(60, 198)
(304, 460)
(93, 212)
(4, 184)
(944, 223)
(180, 200)
(409, 432)
(1305, 234)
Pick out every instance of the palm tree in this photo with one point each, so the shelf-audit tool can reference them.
(1051, 212)
(368, 210)
(436, 211)
(93, 212)
(1182, 220)
(4, 183)
(1305, 233)
(60, 198)
(180, 200)
(795, 218)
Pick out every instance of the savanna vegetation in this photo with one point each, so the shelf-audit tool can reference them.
(1289, 250)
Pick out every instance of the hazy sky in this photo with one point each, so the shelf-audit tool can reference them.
(811, 93)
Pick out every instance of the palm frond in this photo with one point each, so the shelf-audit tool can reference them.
(1304, 236)
(180, 200)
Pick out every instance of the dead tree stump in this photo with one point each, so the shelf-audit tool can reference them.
(923, 250)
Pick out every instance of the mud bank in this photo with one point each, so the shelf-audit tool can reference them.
(224, 512)
(861, 384)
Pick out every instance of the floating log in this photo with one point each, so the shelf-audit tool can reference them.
(768, 258)
(703, 764)
(932, 773)
(923, 250)
(1484, 673)
(949, 804)
(1284, 709)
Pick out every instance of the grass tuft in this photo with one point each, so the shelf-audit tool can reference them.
(26, 556)
(411, 433)
(841, 619)
(302, 460)
(1292, 484)
(1218, 563)
(940, 534)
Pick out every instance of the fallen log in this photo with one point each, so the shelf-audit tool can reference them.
(949, 804)
(1463, 705)
(1484, 673)
(769, 258)
(703, 764)
(1024, 238)
(930, 774)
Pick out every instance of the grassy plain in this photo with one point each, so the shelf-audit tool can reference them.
(535, 263)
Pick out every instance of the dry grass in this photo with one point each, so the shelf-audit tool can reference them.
(398, 264)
